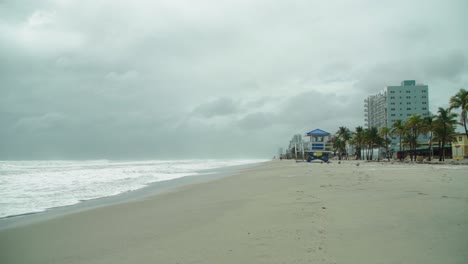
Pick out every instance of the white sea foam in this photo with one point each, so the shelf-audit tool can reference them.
(34, 186)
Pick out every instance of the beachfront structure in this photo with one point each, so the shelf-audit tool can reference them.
(460, 147)
(396, 103)
(319, 140)
(320, 145)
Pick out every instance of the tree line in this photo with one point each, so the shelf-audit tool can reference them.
(439, 129)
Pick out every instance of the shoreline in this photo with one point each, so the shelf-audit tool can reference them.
(155, 188)
(277, 212)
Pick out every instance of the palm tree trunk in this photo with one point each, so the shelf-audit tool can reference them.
(401, 154)
(430, 147)
(386, 146)
(463, 117)
(411, 149)
(444, 139)
(440, 153)
(443, 149)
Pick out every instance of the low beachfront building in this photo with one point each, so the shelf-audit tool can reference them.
(460, 147)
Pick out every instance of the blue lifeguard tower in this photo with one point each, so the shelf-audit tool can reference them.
(318, 145)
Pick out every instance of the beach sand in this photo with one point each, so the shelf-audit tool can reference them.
(277, 212)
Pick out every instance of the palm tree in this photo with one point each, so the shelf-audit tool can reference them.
(443, 140)
(445, 126)
(371, 136)
(406, 140)
(428, 128)
(398, 129)
(338, 146)
(364, 140)
(344, 135)
(357, 141)
(414, 125)
(460, 100)
(383, 132)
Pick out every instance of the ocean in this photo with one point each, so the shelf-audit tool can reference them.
(34, 186)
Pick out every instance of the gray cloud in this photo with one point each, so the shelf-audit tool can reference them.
(257, 121)
(452, 66)
(47, 121)
(114, 79)
(324, 110)
(218, 107)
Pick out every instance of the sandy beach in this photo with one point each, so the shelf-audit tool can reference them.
(277, 212)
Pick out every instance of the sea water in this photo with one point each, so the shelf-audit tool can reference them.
(35, 186)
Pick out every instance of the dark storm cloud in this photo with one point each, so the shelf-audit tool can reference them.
(114, 79)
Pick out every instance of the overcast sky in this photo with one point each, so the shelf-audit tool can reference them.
(210, 78)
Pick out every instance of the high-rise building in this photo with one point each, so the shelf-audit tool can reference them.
(396, 103)
(296, 141)
(375, 110)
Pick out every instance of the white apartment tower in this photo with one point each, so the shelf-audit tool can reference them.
(396, 103)
(296, 141)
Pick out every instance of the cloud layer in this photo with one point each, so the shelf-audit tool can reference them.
(177, 79)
